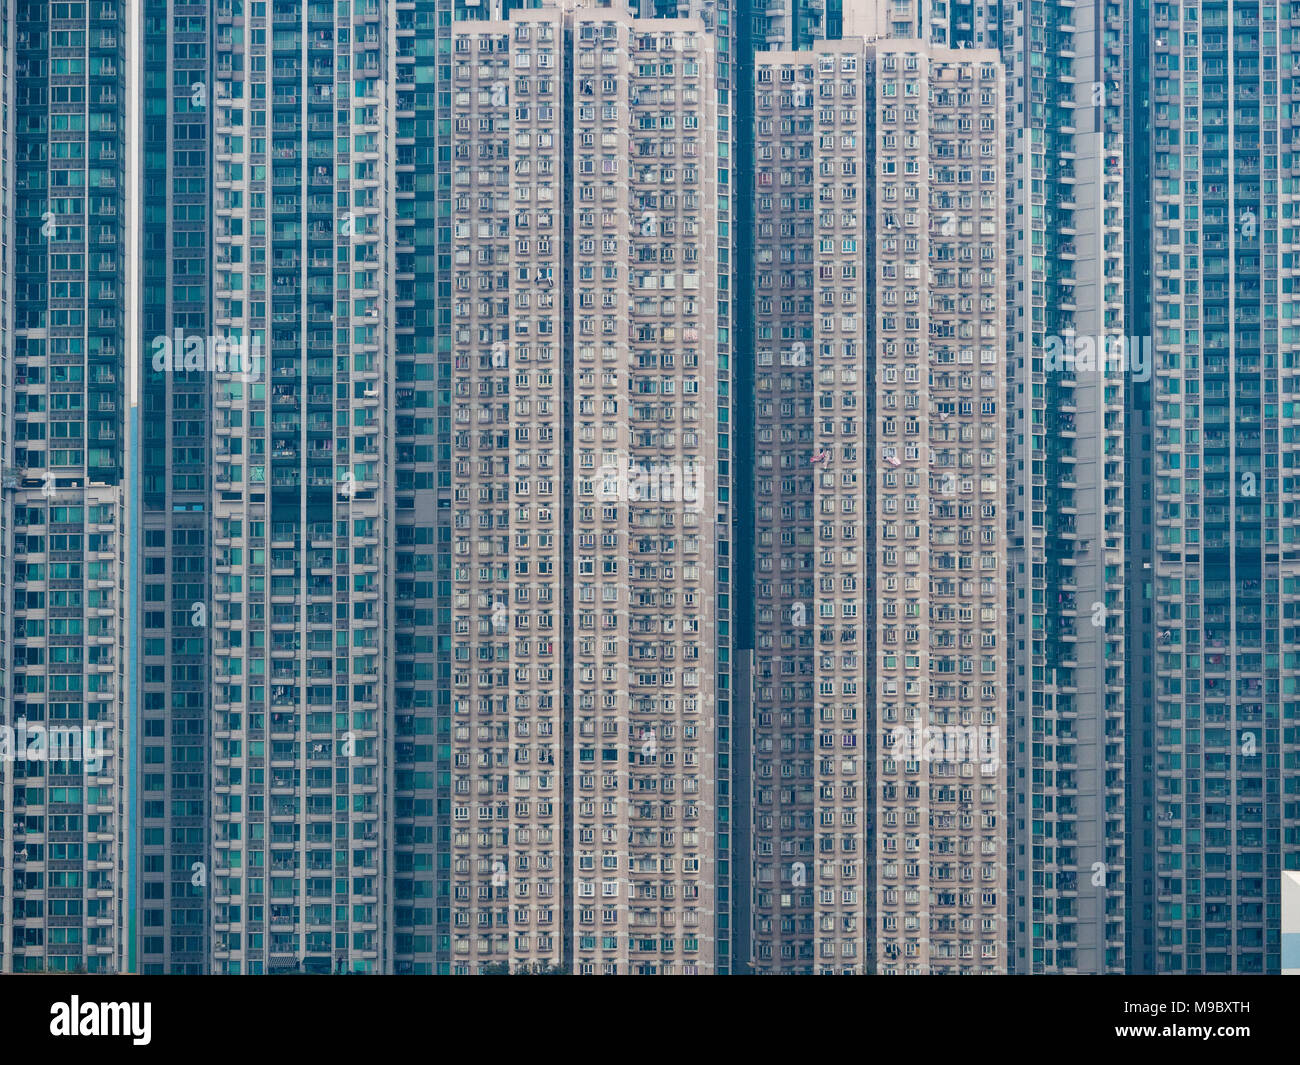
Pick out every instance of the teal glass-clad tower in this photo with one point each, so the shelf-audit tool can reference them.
(1214, 557)
(65, 515)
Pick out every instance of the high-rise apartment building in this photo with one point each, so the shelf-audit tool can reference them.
(1064, 447)
(434, 600)
(585, 547)
(1068, 365)
(7, 822)
(419, 593)
(1067, 611)
(1218, 557)
(172, 490)
(879, 694)
(1139, 631)
(940, 552)
(301, 729)
(64, 517)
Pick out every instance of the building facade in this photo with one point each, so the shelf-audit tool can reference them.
(1063, 440)
(173, 485)
(1218, 558)
(1069, 364)
(592, 751)
(490, 353)
(300, 670)
(63, 777)
(1068, 611)
(878, 779)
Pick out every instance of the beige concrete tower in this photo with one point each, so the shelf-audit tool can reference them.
(508, 619)
(584, 567)
(879, 682)
(644, 327)
(782, 689)
(940, 553)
